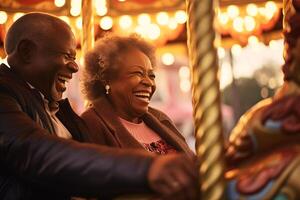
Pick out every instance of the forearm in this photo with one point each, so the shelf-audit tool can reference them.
(74, 168)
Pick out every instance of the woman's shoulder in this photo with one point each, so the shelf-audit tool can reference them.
(88, 113)
(160, 115)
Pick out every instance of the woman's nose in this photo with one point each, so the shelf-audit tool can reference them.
(148, 81)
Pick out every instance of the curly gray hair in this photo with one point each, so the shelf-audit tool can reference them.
(102, 62)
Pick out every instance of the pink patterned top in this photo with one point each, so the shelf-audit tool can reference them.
(149, 139)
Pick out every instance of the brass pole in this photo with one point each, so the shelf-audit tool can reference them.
(87, 40)
(206, 98)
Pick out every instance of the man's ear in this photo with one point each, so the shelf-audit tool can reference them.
(26, 50)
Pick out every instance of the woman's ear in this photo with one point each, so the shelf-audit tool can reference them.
(26, 50)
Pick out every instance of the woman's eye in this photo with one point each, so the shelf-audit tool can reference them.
(139, 73)
(152, 76)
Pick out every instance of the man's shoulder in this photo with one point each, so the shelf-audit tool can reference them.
(9, 80)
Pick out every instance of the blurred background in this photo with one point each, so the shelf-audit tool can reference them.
(249, 45)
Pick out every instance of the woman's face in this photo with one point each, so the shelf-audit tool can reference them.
(133, 85)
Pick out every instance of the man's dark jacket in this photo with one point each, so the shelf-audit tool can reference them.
(36, 164)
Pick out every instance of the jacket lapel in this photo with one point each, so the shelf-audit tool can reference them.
(162, 126)
(106, 112)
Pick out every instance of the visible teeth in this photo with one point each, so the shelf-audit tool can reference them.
(142, 94)
(63, 78)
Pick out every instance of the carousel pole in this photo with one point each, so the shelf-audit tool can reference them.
(206, 98)
(87, 41)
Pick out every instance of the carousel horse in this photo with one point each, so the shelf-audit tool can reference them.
(263, 154)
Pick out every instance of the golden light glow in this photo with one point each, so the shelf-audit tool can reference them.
(81, 61)
(125, 21)
(262, 11)
(268, 14)
(76, 3)
(249, 23)
(184, 72)
(17, 16)
(238, 24)
(162, 18)
(223, 18)
(172, 24)
(106, 23)
(252, 9)
(273, 44)
(140, 30)
(144, 19)
(59, 3)
(180, 17)
(65, 19)
(225, 74)
(153, 31)
(185, 85)
(79, 23)
(101, 7)
(253, 40)
(236, 49)
(75, 7)
(167, 59)
(101, 11)
(271, 6)
(221, 52)
(75, 11)
(3, 17)
(233, 11)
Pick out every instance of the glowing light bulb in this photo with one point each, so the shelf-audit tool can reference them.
(101, 7)
(221, 52)
(168, 59)
(253, 40)
(125, 21)
(106, 23)
(59, 3)
(153, 31)
(185, 85)
(144, 19)
(233, 11)
(238, 24)
(162, 18)
(249, 23)
(184, 72)
(3, 17)
(180, 17)
(236, 49)
(223, 18)
(79, 23)
(252, 9)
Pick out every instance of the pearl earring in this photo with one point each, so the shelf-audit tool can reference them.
(107, 87)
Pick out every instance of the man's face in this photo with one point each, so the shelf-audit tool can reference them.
(55, 64)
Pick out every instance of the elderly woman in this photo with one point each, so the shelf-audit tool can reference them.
(119, 83)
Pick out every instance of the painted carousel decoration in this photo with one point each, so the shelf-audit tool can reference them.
(263, 154)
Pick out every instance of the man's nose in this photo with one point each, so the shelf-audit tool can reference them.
(73, 66)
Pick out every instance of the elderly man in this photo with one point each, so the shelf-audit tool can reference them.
(41, 151)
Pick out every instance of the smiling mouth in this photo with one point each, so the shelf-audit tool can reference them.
(144, 96)
(62, 80)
